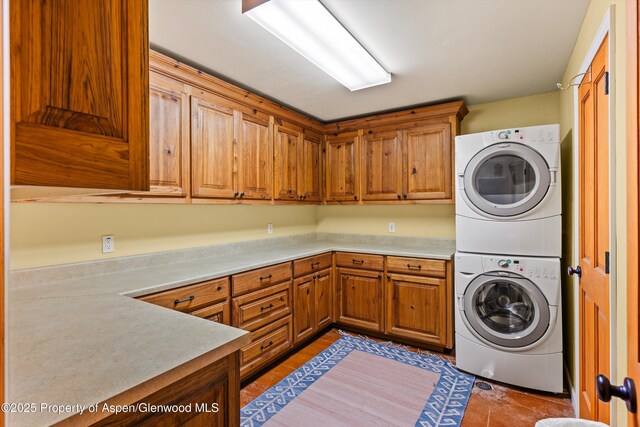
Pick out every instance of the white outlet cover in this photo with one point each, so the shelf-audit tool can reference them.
(108, 244)
(392, 227)
(269, 228)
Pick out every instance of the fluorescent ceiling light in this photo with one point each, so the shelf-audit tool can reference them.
(311, 30)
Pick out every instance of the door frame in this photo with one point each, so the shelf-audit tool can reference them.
(607, 27)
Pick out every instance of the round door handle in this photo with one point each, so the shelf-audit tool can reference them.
(626, 392)
(571, 271)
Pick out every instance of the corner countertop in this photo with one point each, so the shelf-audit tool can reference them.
(84, 340)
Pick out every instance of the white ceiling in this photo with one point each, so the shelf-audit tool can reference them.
(436, 50)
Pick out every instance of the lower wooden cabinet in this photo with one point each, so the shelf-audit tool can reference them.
(360, 298)
(259, 308)
(312, 307)
(217, 383)
(418, 308)
(267, 343)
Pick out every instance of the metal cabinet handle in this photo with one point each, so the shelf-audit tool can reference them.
(236, 194)
(268, 276)
(399, 196)
(178, 301)
(266, 307)
(262, 347)
(242, 194)
(358, 261)
(414, 267)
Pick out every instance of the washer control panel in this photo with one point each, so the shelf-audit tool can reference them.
(532, 134)
(521, 266)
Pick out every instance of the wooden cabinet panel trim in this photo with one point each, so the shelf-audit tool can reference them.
(361, 298)
(324, 298)
(189, 298)
(258, 308)
(303, 307)
(417, 266)
(267, 343)
(356, 260)
(382, 165)
(311, 264)
(260, 278)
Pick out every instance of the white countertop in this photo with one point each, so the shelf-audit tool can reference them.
(85, 340)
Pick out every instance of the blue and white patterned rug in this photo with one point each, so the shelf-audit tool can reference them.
(444, 407)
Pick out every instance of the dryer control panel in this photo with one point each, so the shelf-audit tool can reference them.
(532, 134)
(519, 266)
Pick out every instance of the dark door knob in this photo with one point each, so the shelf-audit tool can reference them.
(626, 392)
(571, 271)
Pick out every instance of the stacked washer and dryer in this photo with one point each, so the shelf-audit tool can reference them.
(507, 262)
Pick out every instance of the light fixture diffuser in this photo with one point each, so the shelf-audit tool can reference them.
(312, 31)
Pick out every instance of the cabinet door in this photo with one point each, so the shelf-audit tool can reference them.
(429, 161)
(417, 308)
(169, 136)
(360, 298)
(303, 307)
(212, 144)
(255, 156)
(310, 170)
(382, 169)
(342, 167)
(324, 298)
(79, 94)
(286, 142)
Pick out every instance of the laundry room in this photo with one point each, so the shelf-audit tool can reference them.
(320, 212)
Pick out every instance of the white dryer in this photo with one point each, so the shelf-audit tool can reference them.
(509, 320)
(508, 195)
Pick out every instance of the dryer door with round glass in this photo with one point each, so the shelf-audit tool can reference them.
(506, 179)
(508, 312)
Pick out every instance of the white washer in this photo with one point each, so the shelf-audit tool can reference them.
(508, 192)
(509, 319)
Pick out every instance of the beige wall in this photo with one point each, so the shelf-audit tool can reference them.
(56, 233)
(595, 15)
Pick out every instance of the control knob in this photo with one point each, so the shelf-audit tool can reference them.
(503, 135)
(503, 263)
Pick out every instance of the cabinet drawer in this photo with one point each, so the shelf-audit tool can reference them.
(261, 278)
(422, 267)
(365, 261)
(189, 298)
(311, 264)
(216, 313)
(254, 310)
(266, 344)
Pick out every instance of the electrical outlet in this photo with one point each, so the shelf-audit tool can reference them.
(392, 227)
(108, 244)
(269, 228)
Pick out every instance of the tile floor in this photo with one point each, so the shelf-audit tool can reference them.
(502, 406)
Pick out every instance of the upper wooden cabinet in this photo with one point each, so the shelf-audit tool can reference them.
(382, 168)
(310, 168)
(286, 142)
(255, 155)
(428, 151)
(80, 94)
(212, 146)
(342, 163)
(169, 136)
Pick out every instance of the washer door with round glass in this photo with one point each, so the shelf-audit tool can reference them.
(506, 311)
(506, 179)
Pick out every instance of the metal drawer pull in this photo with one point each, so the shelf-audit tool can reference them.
(314, 264)
(358, 261)
(412, 266)
(268, 276)
(262, 347)
(266, 307)
(178, 301)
